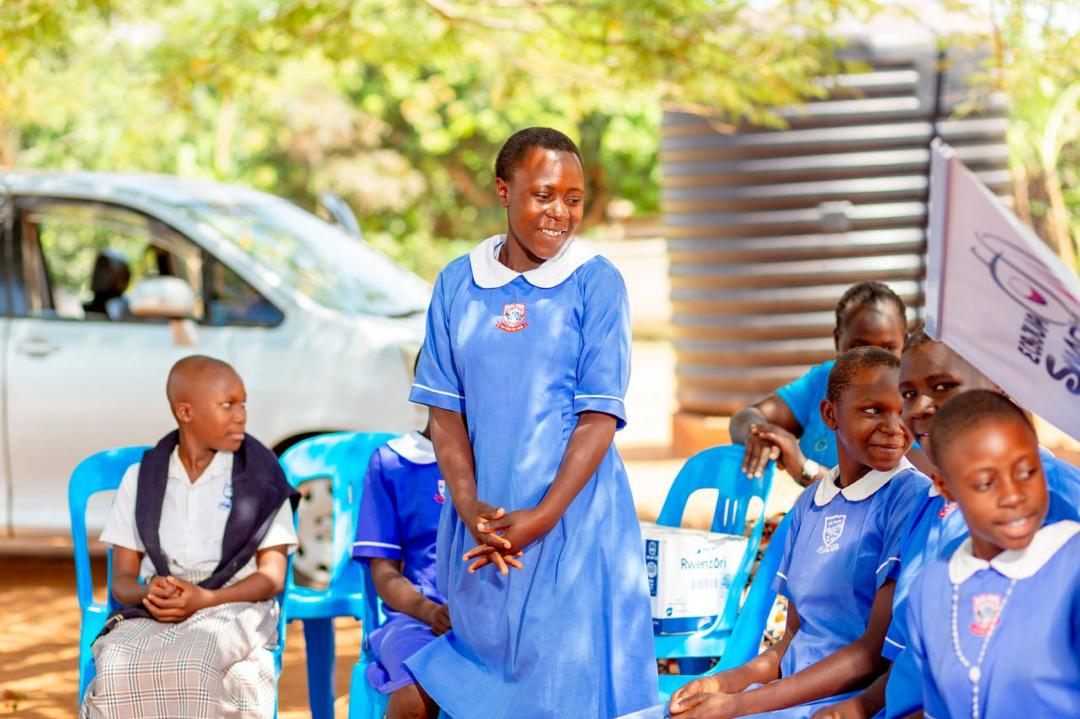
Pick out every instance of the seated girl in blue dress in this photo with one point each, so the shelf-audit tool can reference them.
(845, 532)
(931, 374)
(995, 629)
(787, 426)
(395, 533)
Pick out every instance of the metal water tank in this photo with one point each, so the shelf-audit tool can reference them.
(767, 228)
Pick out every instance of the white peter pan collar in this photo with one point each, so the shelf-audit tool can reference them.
(862, 488)
(414, 447)
(1014, 563)
(489, 273)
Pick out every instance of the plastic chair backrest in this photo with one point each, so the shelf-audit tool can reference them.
(341, 457)
(749, 627)
(100, 472)
(717, 468)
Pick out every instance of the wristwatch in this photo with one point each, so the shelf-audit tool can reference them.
(810, 469)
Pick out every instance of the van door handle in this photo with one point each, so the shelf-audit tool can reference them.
(37, 347)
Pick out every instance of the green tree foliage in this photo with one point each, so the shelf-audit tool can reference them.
(1037, 43)
(400, 106)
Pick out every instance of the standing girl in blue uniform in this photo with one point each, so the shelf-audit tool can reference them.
(525, 366)
(995, 629)
(845, 532)
(395, 534)
(787, 426)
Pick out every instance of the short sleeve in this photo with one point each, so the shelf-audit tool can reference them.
(780, 582)
(120, 530)
(895, 519)
(437, 382)
(282, 530)
(803, 396)
(907, 549)
(603, 370)
(377, 531)
(895, 635)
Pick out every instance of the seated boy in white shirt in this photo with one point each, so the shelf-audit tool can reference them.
(200, 532)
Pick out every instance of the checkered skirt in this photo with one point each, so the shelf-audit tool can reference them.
(217, 663)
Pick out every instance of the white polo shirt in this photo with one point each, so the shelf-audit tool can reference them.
(193, 517)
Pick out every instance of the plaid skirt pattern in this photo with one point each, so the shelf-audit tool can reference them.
(215, 664)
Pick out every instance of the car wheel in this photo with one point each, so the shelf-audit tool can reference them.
(315, 555)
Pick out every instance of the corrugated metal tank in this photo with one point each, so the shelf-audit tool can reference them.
(766, 229)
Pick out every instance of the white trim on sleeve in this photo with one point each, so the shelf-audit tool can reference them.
(782, 576)
(598, 396)
(895, 643)
(384, 545)
(437, 391)
(886, 563)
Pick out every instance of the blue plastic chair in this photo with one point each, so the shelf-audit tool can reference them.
(343, 459)
(102, 472)
(717, 468)
(365, 702)
(99, 472)
(745, 638)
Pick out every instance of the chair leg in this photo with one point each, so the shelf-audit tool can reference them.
(87, 670)
(319, 638)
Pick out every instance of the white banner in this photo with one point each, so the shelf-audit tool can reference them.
(999, 297)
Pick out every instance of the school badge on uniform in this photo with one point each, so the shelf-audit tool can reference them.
(986, 611)
(948, 509)
(830, 533)
(440, 492)
(513, 318)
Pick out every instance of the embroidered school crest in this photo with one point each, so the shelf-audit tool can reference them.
(985, 610)
(440, 492)
(513, 318)
(830, 533)
(226, 497)
(948, 509)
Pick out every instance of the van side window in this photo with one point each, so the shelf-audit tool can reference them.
(231, 301)
(81, 259)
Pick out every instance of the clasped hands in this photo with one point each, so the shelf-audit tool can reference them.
(501, 536)
(169, 599)
(706, 697)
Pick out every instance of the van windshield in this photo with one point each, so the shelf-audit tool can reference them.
(332, 268)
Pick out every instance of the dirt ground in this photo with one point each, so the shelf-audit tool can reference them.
(39, 651)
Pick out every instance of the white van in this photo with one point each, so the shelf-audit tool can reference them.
(106, 280)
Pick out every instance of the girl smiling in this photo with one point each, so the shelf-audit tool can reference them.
(525, 366)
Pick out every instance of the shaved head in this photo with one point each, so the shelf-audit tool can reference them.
(188, 374)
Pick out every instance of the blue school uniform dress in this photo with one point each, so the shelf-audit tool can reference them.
(803, 397)
(398, 519)
(838, 553)
(521, 355)
(1001, 639)
(935, 530)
